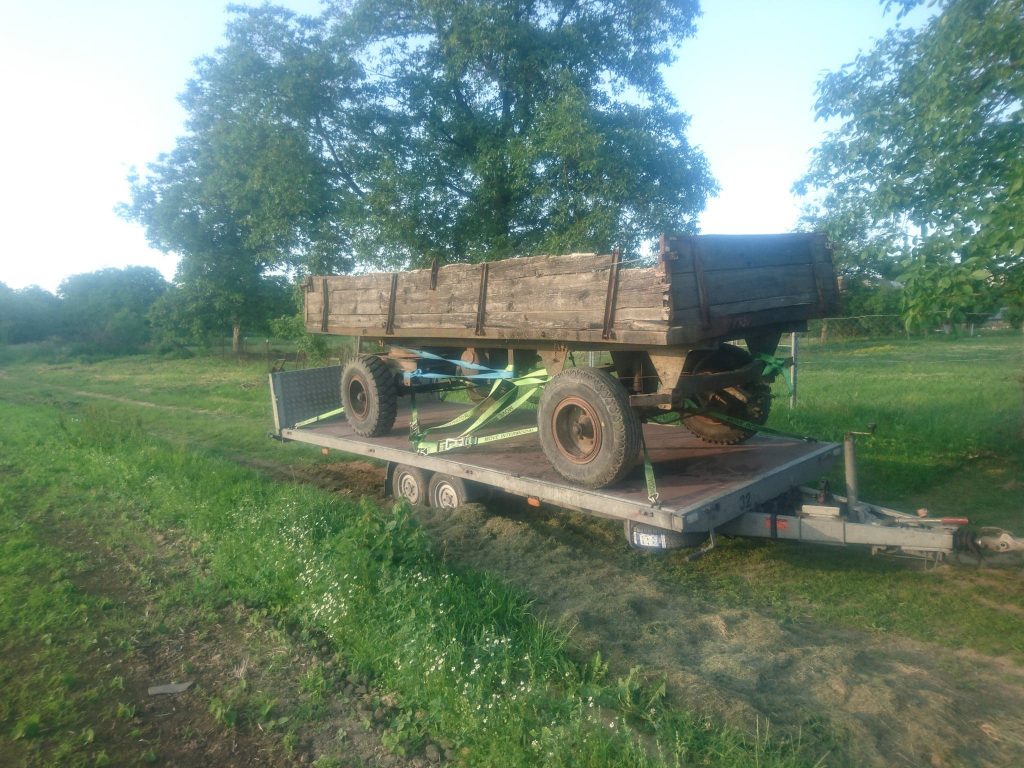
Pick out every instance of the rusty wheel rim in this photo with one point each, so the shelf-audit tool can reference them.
(357, 397)
(577, 430)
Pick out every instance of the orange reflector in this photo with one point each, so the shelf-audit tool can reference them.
(533, 501)
(324, 451)
(955, 521)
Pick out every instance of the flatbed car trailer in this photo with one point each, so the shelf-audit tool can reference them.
(753, 489)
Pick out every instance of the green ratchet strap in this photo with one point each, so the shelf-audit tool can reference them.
(506, 396)
(321, 417)
(652, 486)
(775, 366)
(696, 410)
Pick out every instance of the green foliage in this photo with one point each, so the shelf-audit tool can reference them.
(928, 164)
(293, 328)
(504, 128)
(28, 314)
(944, 293)
(391, 133)
(250, 189)
(107, 310)
(867, 297)
(199, 309)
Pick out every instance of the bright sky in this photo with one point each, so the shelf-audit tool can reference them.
(89, 90)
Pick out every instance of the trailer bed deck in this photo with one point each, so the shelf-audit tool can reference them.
(701, 486)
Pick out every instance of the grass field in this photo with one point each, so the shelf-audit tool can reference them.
(143, 536)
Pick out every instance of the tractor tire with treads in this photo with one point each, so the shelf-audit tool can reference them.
(750, 402)
(588, 431)
(369, 396)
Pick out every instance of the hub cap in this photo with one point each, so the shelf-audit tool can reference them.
(577, 430)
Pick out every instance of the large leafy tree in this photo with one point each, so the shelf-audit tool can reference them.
(256, 186)
(514, 126)
(927, 166)
(389, 133)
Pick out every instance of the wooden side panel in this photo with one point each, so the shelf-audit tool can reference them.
(704, 288)
(559, 296)
(717, 277)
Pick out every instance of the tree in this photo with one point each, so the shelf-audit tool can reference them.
(509, 126)
(928, 164)
(28, 314)
(107, 310)
(254, 188)
(201, 309)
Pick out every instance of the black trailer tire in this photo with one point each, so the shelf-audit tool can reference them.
(369, 396)
(754, 409)
(649, 538)
(450, 492)
(410, 483)
(588, 431)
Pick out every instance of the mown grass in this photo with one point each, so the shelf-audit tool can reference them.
(86, 439)
(948, 412)
(464, 657)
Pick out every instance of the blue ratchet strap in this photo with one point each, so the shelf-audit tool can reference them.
(485, 371)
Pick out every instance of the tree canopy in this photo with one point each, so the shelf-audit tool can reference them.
(393, 132)
(28, 314)
(107, 309)
(927, 166)
(510, 127)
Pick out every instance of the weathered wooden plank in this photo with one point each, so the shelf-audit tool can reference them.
(718, 252)
(518, 337)
(725, 287)
(567, 318)
(745, 280)
(365, 282)
(453, 320)
(523, 294)
(731, 286)
(541, 266)
(357, 303)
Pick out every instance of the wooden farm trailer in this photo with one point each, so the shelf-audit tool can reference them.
(667, 328)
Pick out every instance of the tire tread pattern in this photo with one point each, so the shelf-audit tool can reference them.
(382, 389)
(624, 431)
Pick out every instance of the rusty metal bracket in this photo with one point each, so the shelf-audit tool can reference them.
(325, 312)
(612, 295)
(389, 326)
(665, 250)
(702, 289)
(481, 303)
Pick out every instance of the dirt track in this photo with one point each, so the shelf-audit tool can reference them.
(887, 700)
